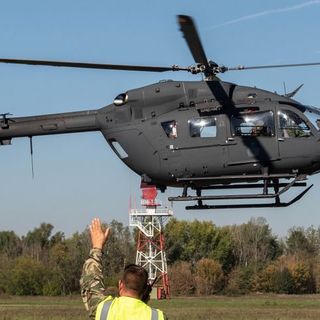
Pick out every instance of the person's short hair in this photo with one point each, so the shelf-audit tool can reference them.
(135, 278)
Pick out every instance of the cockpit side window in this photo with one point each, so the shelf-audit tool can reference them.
(291, 125)
(313, 115)
(253, 124)
(170, 128)
(203, 128)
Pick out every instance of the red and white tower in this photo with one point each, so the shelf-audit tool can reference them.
(150, 220)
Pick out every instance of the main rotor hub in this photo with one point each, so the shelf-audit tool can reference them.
(198, 68)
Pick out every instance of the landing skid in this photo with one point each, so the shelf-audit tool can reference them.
(267, 182)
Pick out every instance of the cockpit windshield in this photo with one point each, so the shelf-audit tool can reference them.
(313, 115)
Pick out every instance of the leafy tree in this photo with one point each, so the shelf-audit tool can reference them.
(242, 280)
(223, 251)
(313, 236)
(10, 244)
(276, 279)
(57, 238)
(192, 241)
(209, 277)
(298, 242)
(253, 243)
(37, 242)
(53, 284)
(302, 278)
(316, 273)
(58, 263)
(26, 277)
(181, 278)
(5, 267)
(66, 259)
(288, 274)
(76, 252)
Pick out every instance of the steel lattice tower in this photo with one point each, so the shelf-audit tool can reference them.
(151, 254)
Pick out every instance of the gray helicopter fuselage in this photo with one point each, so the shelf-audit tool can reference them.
(244, 130)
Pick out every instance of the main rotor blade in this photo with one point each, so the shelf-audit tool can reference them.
(92, 65)
(271, 66)
(191, 35)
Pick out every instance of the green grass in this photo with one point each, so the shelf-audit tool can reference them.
(260, 307)
(245, 307)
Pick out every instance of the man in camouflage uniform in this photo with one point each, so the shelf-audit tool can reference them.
(133, 287)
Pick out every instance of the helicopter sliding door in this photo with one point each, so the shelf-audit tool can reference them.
(194, 145)
(252, 142)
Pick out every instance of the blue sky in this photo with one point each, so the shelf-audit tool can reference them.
(78, 177)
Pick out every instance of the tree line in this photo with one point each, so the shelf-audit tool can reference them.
(203, 259)
(206, 259)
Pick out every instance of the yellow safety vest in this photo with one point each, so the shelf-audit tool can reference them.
(126, 308)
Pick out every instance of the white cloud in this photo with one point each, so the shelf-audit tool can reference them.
(269, 12)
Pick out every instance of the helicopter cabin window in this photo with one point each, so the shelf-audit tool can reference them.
(253, 124)
(203, 128)
(170, 128)
(292, 126)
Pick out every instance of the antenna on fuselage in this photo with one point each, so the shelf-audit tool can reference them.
(284, 88)
(31, 155)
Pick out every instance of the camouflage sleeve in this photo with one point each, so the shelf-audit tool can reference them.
(91, 282)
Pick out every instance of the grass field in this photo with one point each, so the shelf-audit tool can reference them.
(275, 307)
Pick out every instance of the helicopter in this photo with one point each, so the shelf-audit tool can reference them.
(197, 135)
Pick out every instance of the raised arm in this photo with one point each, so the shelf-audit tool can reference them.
(91, 282)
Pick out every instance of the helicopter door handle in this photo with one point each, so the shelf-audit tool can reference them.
(280, 139)
(230, 139)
